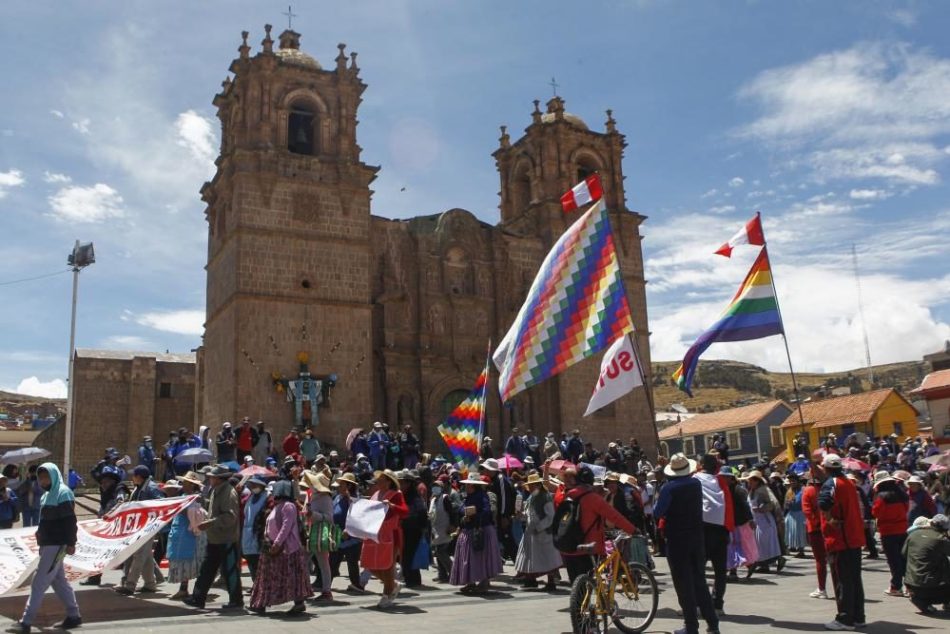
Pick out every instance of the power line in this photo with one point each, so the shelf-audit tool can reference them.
(31, 279)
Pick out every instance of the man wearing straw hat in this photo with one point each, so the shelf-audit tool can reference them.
(679, 508)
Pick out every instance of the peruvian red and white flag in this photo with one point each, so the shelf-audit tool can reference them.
(750, 233)
(619, 373)
(586, 191)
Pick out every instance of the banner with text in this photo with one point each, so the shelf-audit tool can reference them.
(619, 373)
(102, 544)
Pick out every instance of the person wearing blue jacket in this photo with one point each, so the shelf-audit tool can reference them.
(350, 548)
(56, 537)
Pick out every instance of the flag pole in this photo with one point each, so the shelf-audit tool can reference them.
(633, 340)
(778, 308)
(481, 418)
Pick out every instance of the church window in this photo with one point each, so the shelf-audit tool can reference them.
(301, 130)
(164, 390)
(521, 188)
(585, 169)
(451, 401)
(305, 284)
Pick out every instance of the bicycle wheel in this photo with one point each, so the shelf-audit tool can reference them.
(583, 608)
(635, 599)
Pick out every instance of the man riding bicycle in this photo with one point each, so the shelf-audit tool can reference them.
(595, 514)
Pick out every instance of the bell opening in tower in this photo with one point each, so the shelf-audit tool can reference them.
(300, 130)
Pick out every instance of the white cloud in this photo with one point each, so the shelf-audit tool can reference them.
(182, 322)
(59, 114)
(710, 193)
(53, 177)
(81, 125)
(904, 17)
(820, 312)
(196, 133)
(11, 178)
(870, 194)
(32, 386)
(722, 209)
(737, 182)
(86, 204)
(127, 342)
(873, 111)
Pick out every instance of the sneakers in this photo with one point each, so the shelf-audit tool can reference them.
(193, 602)
(818, 594)
(325, 596)
(396, 590)
(124, 590)
(385, 601)
(147, 590)
(352, 588)
(71, 622)
(894, 592)
(838, 626)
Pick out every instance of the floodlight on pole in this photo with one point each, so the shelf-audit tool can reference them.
(83, 255)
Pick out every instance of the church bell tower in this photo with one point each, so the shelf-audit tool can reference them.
(289, 250)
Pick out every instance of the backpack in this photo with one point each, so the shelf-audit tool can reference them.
(566, 527)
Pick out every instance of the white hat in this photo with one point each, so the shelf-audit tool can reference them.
(491, 464)
(377, 425)
(832, 461)
(226, 425)
(914, 480)
(680, 465)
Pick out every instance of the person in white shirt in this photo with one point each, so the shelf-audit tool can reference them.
(715, 530)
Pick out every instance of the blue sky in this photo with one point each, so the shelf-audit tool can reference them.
(831, 118)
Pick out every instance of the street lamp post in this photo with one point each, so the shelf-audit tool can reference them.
(82, 256)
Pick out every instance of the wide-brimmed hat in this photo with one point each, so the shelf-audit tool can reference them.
(679, 466)
(219, 471)
(491, 464)
(348, 478)
(754, 474)
(191, 477)
(255, 481)
(403, 474)
(473, 480)
(387, 473)
(915, 479)
(172, 484)
(901, 475)
(317, 482)
(533, 479)
(612, 477)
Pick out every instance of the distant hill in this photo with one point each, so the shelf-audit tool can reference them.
(21, 405)
(721, 384)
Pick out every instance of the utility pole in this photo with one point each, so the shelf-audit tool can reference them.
(82, 256)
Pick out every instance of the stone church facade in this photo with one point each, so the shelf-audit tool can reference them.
(400, 311)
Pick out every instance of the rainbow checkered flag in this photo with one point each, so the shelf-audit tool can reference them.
(462, 430)
(577, 306)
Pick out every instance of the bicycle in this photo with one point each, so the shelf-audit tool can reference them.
(616, 590)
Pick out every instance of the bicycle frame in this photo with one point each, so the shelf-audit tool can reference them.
(607, 576)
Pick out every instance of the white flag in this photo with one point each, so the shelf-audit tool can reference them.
(619, 373)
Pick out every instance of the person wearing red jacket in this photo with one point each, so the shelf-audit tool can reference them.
(842, 524)
(595, 512)
(815, 538)
(890, 510)
(291, 444)
(379, 557)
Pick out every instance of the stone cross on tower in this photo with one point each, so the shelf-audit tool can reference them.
(554, 86)
(290, 17)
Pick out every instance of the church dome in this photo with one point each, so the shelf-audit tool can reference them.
(548, 117)
(296, 57)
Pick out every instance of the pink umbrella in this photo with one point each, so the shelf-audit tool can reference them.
(937, 468)
(942, 459)
(350, 437)
(855, 465)
(509, 462)
(255, 470)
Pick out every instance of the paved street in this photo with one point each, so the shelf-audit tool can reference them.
(767, 603)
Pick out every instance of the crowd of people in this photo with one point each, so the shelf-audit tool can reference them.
(288, 520)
